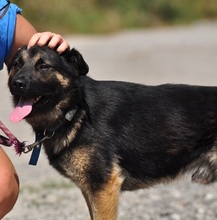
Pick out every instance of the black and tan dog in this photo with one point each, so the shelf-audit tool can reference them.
(112, 136)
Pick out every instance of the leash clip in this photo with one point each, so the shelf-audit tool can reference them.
(36, 147)
(47, 135)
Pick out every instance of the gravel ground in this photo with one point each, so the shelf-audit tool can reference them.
(154, 56)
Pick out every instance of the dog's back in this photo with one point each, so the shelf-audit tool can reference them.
(157, 131)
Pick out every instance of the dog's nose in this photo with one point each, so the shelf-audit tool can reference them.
(19, 85)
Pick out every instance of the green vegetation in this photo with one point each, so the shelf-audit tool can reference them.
(49, 185)
(103, 16)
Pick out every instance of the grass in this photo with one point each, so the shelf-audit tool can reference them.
(50, 185)
(103, 16)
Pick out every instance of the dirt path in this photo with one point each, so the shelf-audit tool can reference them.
(174, 55)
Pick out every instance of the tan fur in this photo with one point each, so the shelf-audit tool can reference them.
(25, 56)
(63, 81)
(213, 157)
(79, 161)
(36, 58)
(45, 119)
(65, 140)
(52, 117)
(103, 204)
(71, 136)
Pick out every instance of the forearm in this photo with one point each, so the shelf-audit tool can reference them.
(23, 33)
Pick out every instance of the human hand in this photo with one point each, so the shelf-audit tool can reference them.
(51, 39)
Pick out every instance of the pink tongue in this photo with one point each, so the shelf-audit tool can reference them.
(23, 108)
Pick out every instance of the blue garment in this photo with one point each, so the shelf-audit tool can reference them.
(8, 13)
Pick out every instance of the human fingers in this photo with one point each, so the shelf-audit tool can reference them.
(41, 39)
(58, 43)
(54, 41)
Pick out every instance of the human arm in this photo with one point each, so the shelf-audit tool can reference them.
(22, 35)
(25, 34)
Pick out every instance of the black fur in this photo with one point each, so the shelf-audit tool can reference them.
(151, 133)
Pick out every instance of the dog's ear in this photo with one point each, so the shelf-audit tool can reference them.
(73, 56)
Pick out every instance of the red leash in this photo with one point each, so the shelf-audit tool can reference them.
(11, 140)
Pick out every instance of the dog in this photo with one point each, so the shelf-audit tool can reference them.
(111, 136)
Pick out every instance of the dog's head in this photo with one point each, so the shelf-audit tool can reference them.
(44, 84)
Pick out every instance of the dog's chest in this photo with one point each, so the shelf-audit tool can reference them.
(74, 164)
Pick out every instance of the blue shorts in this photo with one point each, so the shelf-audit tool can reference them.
(8, 12)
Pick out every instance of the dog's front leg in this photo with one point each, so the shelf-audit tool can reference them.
(104, 203)
(87, 196)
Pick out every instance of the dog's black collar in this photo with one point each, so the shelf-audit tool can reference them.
(68, 117)
(48, 133)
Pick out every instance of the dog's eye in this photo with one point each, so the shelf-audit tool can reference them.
(17, 66)
(43, 67)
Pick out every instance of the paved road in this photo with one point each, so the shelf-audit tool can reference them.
(154, 56)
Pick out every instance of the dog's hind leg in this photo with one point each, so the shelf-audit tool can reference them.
(206, 174)
(207, 170)
(104, 203)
